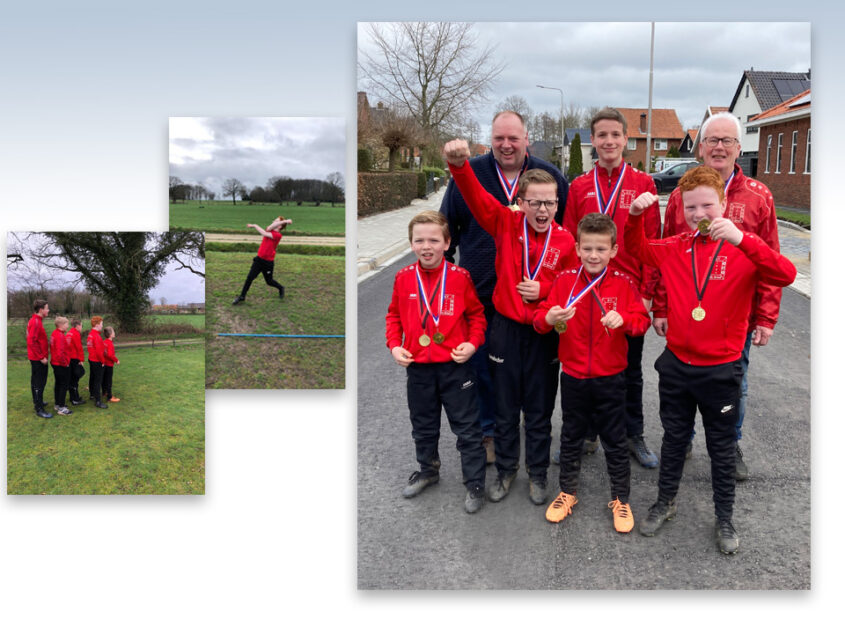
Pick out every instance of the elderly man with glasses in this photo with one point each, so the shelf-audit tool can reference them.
(751, 208)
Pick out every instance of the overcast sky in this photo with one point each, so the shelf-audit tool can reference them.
(207, 151)
(178, 286)
(696, 64)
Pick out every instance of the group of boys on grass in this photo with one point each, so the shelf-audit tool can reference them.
(65, 354)
(710, 278)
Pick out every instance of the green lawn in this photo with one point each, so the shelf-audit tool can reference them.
(798, 218)
(219, 216)
(151, 442)
(314, 303)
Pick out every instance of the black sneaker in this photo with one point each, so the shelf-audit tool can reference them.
(418, 482)
(642, 453)
(537, 492)
(238, 300)
(499, 489)
(42, 413)
(657, 514)
(282, 292)
(726, 537)
(474, 499)
(101, 405)
(741, 469)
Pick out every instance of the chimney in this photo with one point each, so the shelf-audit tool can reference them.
(643, 126)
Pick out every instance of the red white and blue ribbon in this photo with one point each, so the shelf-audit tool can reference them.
(531, 274)
(510, 187)
(424, 295)
(614, 194)
(595, 281)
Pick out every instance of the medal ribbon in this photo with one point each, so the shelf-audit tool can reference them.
(700, 294)
(442, 285)
(527, 268)
(510, 187)
(614, 192)
(596, 280)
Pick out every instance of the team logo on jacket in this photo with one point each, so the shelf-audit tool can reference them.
(609, 303)
(719, 268)
(448, 305)
(627, 197)
(736, 212)
(552, 258)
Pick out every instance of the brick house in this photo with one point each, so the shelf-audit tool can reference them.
(666, 132)
(783, 152)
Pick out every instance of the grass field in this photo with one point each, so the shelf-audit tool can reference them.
(151, 442)
(219, 216)
(314, 304)
(798, 218)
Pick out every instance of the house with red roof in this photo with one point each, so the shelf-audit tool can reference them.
(666, 132)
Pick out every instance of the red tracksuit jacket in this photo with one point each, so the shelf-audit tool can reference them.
(582, 200)
(95, 347)
(109, 357)
(751, 208)
(585, 350)
(74, 339)
(462, 318)
(267, 248)
(506, 227)
(737, 271)
(59, 351)
(36, 339)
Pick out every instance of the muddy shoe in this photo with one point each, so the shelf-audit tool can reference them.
(418, 482)
(238, 300)
(474, 499)
(659, 513)
(726, 537)
(499, 489)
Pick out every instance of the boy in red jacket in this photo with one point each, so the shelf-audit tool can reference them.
(37, 352)
(77, 359)
(96, 356)
(710, 273)
(610, 188)
(594, 309)
(60, 355)
(434, 324)
(531, 249)
(109, 361)
(263, 262)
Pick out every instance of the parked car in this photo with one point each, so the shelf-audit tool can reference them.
(665, 181)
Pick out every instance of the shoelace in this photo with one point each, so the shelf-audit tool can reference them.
(726, 526)
(564, 501)
(623, 510)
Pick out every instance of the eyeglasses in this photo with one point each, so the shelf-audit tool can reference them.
(713, 141)
(536, 204)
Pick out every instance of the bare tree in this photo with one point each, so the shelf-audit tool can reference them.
(516, 104)
(436, 70)
(233, 187)
(397, 131)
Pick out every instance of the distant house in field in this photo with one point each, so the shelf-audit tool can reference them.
(688, 143)
(666, 131)
(758, 91)
(784, 150)
(588, 153)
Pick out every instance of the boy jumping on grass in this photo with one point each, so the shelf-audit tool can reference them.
(263, 262)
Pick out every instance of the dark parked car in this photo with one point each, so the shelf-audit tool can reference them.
(665, 181)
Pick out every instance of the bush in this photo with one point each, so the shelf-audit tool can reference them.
(365, 159)
(296, 249)
(383, 191)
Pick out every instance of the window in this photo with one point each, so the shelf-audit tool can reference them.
(778, 156)
(632, 144)
(794, 151)
(661, 144)
(807, 158)
(747, 88)
(768, 153)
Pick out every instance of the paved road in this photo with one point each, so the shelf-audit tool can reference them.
(430, 542)
(241, 237)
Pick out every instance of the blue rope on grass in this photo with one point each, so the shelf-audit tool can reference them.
(235, 334)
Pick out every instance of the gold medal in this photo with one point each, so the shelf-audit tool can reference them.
(425, 340)
(560, 327)
(439, 337)
(514, 206)
(698, 313)
(704, 229)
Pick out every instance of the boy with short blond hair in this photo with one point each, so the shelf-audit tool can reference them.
(531, 249)
(710, 273)
(109, 361)
(60, 360)
(434, 325)
(593, 308)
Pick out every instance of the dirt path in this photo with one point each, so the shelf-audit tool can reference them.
(242, 237)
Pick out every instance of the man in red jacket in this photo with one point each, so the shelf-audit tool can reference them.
(531, 249)
(77, 359)
(434, 324)
(711, 275)
(37, 352)
(751, 208)
(96, 356)
(595, 310)
(610, 188)
(60, 360)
